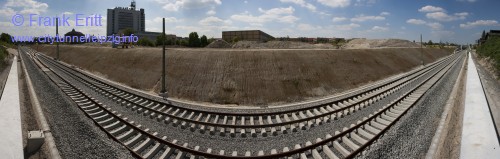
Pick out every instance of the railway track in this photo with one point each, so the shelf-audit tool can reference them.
(403, 92)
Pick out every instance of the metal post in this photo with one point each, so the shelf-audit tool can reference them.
(163, 90)
(57, 36)
(421, 51)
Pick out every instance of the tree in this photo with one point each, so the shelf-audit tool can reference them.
(5, 38)
(212, 39)
(483, 35)
(204, 41)
(128, 32)
(145, 42)
(169, 42)
(194, 40)
(184, 42)
(160, 39)
(430, 42)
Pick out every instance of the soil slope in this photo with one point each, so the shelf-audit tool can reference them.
(248, 76)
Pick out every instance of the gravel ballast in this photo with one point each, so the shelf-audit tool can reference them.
(412, 135)
(81, 127)
(75, 135)
(236, 144)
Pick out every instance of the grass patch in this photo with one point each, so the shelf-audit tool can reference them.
(8, 45)
(491, 49)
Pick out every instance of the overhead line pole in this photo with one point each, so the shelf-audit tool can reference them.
(421, 51)
(57, 35)
(163, 91)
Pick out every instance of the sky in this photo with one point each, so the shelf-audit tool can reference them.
(456, 21)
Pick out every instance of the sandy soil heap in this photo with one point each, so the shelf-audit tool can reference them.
(219, 44)
(378, 43)
(280, 45)
(245, 77)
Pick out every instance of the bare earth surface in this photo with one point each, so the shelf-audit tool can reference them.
(252, 77)
(378, 43)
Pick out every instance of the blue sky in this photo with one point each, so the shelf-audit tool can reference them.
(458, 21)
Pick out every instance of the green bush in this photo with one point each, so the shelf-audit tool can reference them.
(145, 42)
(491, 49)
(183, 42)
(3, 55)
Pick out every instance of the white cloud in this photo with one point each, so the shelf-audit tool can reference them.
(278, 11)
(439, 14)
(415, 21)
(173, 6)
(365, 2)
(214, 21)
(211, 12)
(7, 12)
(471, 1)
(324, 13)
(288, 19)
(5, 24)
(339, 19)
(276, 14)
(442, 34)
(442, 16)
(435, 26)
(379, 28)
(308, 27)
(210, 20)
(155, 24)
(385, 13)
(462, 14)
(335, 3)
(430, 8)
(256, 24)
(167, 20)
(477, 23)
(301, 3)
(346, 27)
(362, 18)
(28, 7)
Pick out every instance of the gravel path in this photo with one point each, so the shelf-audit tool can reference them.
(75, 135)
(452, 135)
(27, 116)
(412, 136)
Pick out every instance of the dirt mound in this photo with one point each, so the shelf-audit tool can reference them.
(219, 44)
(379, 43)
(280, 45)
(245, 77)
(247, 45)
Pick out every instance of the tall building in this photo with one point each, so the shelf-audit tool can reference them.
(121, 18)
